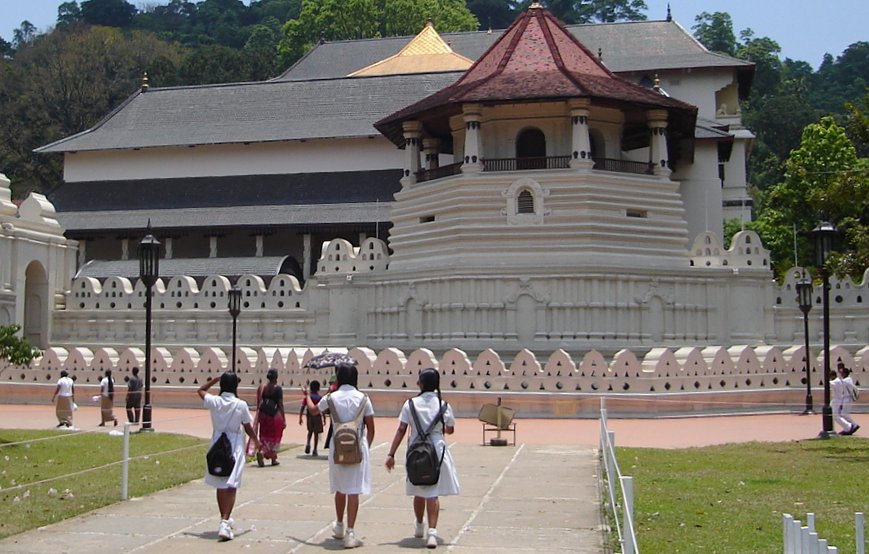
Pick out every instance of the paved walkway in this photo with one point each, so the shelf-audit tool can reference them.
(540, 496)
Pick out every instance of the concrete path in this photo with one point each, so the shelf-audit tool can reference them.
(540, 496)
(522, 499)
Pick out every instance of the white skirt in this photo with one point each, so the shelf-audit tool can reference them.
(351, 479)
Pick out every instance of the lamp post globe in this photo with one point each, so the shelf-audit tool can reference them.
(234, 295)
(149, 271)
(804, 299)
(823, 235)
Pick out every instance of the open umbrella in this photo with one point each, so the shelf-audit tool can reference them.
(329, 359)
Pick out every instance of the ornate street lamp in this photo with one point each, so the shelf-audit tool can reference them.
(149, 272)
(824, 234)
(234, 310)
(804, 298)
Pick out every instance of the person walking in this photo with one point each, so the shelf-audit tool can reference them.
(64, 400)
(270, 418)
(229, 415)
(107, 399)
(134, 397)
(844, 394)
(430, 411)
(347, 481)
(314, 422)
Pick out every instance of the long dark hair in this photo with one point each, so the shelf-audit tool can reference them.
(430, 381)
(111, 387)
(346, 374)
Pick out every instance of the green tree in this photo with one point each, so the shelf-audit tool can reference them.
(63, 83)
(15, 350)
(764, 53)
(494, 14)
(111, 13)
(715, 32)
(354, 19)
(68, 13)
(23, 35)
(824, 180)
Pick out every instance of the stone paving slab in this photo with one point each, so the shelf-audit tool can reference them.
(523, 499)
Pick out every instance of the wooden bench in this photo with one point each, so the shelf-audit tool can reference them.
(497, 419)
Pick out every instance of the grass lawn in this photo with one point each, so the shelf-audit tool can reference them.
(730, 498)
(158, 461)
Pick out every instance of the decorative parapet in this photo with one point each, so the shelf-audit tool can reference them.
(746, 251)
(339, 256)
(183, 293)
(688, 369)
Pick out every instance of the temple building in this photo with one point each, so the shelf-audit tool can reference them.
(542, 187)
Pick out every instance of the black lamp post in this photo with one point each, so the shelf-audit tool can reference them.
(804, 298)
(234, 310)
(824, 234)
(149, 272)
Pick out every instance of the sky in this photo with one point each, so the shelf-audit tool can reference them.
(805, 29)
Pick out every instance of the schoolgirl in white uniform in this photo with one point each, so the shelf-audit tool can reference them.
(428, 408)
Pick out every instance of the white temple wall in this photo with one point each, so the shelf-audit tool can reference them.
(312, 156)
(698, 88)
(700, 189)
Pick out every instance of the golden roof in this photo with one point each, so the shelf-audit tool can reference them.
(425, 53)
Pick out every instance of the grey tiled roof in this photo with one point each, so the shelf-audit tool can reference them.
(707, 129)
(193, 267)
(258, 216)
(314, 100)
(253, 112)
(624, 47)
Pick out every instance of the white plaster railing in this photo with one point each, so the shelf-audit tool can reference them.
(804, 539)
(620, 488)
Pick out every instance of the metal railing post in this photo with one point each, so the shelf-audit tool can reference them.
(125, 465)
(859, 533)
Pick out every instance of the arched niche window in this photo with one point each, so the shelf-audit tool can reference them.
(531, 149)
(525, 198)
(525, 202)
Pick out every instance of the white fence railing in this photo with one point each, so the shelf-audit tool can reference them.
(619, 488)
(803, 539)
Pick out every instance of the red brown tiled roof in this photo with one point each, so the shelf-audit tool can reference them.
(537, 58)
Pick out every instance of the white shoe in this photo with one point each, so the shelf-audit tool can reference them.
(224, 532)
(338, 530)
(350, 540)
(432, 540)
(419, 530)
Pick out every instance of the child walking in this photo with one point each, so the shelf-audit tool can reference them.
(315, 422)
(429, 408)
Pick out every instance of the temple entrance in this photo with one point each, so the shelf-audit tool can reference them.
(531, 149)
(36, 305)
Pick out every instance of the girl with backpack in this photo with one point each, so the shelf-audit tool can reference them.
(349, 467)
(424, 413)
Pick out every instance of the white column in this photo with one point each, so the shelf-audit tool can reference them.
(472, 162)
(657, 122)
(306, 255)
(412, 144)
(170, 251)
(580, 156)
(125, 249)
(212, 247)
(431, 148)
(259, 246)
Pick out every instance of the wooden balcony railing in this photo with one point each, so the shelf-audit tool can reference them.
(547, 162)
(438, 172)
(623, 166)
(518, 164)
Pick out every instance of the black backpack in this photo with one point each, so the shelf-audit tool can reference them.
(423, 463)
(220, 458)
